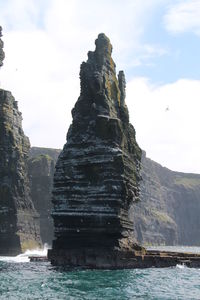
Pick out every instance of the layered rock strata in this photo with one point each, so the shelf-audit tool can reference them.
(19, 229)
(97, 173)
(168, 213)
(41, 164)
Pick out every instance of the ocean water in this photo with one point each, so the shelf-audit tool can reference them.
(21, 279)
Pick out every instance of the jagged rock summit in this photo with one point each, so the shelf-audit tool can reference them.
(97, 173)
(19, 224)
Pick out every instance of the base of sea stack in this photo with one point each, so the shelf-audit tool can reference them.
(104, 259)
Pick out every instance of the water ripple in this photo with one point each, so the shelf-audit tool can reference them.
(42, 281)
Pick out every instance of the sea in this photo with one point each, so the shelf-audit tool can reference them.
(22, 279)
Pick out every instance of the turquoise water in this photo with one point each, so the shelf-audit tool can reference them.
(20, 279)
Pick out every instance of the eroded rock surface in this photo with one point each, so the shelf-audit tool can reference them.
(168, 213)
(2, 55)
(41, 164)
(97, 173)
(153, 223)
(19, 228)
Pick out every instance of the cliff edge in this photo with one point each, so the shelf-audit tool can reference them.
(19, 229)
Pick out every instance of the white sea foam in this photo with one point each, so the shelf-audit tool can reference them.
(24, 257)
(188, 249)
(181, 266)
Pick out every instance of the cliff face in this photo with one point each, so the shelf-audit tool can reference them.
(18, 222)
(170, 206)
(19, 228)
(41, 164)
(168, 213)
(1, 49)
(97, 173)
(153, 223)
(186, 208)
(37, 151)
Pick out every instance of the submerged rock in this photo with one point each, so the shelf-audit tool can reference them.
(97, 173)
(19, 228)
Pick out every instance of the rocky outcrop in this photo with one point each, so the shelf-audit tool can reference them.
(36, 151)
(19, 228)
(41, 164)
(153, 224)
(97, 173)
(185, 208)
(1, 49)
(168, 213)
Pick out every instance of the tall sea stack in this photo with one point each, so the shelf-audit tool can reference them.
(19, 227)
(97, 173)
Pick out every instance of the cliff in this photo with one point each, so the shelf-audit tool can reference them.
(170, 206)
(41, 165)
(168, 213)
(19, 228)
(97, 173)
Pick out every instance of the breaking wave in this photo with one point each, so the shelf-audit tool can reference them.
(24, 257)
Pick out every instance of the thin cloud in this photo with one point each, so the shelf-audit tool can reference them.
(183, 16)
(43, 54)
(171, 137)
(145, 55)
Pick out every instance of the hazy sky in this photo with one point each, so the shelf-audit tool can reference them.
(156, 43)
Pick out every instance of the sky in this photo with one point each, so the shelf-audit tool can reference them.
(155, 42)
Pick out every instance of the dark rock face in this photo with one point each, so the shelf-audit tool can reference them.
(2, 55)
(19, 228)
(97, 173)
(168, 213)
(153, 224)
(41, 166)
(36, 151)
